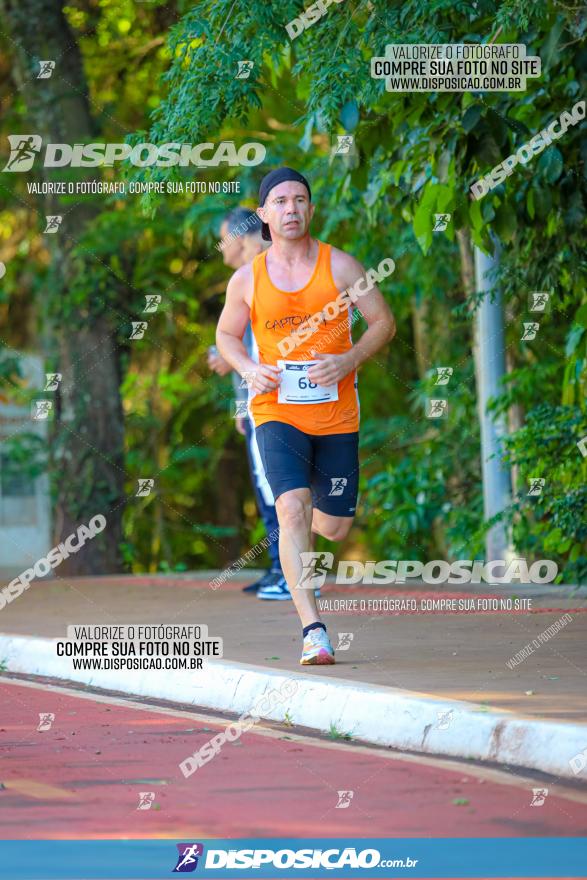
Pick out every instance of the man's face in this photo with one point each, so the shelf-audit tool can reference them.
(287, 210)
(232, 253)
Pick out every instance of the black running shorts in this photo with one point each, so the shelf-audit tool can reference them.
(327, 464)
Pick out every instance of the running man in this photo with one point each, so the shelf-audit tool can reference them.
(305, 407)
(241, 236)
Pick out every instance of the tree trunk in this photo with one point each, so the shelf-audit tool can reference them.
(87, 467)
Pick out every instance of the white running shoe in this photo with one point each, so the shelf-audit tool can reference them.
(317, 648)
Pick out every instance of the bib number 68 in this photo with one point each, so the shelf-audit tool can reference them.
(306, 383)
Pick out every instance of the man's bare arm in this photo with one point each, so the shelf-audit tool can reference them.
(346, 272)
(381, 326)
(233, 322)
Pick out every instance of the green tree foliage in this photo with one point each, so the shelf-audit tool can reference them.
(418, 155)
(167, 72)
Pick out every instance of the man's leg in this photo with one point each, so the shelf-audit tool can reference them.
(335, 478)
(288, 460)
(286, 455)
(335, 484)
(294, 511)
(335, 528)
(264, 497)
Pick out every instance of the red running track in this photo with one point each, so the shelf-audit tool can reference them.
(82, 779)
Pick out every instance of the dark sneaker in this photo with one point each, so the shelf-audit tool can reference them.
(278, 590)
(270, 577)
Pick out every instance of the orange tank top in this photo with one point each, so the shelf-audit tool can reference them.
(274, 314)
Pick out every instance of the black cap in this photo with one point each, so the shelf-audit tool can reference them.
(278, 175)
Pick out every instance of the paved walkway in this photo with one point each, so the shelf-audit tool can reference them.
(461, 655)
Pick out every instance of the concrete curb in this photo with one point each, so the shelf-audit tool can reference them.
(379, 715)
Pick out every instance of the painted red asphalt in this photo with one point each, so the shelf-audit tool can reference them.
(82, 779)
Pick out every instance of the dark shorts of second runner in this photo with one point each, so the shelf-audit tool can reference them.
(327, 464)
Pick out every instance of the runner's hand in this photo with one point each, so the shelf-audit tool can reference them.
(218, 365)
(266, 378)
(332, 368)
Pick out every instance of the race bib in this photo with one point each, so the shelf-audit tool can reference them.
(297, 388)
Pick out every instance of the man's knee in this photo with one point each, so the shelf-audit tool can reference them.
(292, 511)
(333, 529)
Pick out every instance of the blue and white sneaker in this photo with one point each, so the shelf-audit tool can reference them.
(278, 590)
(270, 577)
